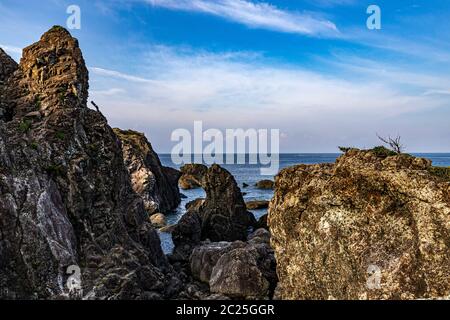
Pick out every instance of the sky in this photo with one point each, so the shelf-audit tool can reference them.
(310, 68)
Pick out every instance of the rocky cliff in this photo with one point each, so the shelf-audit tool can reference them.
(65, 193)
(370, 226)
(157, 185)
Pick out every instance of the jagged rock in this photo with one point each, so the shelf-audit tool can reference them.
(244, 185)
(157, 185)
(195, 205)
(224, 214)
(192, 175)
(257, 204)
(186, 235)
(371, 226)
(158, 220)
(65, 193)
(265, 184)
(168, 229)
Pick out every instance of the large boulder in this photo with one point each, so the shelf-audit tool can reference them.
(65, 194)
(245, 270)
(370, 226)
(257, 204)
(265, 185)
(157, 185)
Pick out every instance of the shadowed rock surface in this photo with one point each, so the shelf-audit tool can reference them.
(367, 227)
(65, 193)
(157, 185)
(244, 270)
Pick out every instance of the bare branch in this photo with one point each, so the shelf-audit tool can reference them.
(393, 143)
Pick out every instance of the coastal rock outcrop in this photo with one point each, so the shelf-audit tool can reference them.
(192, 175)
(66, 201)
(222, 216)
(369, 226)
(157, 185)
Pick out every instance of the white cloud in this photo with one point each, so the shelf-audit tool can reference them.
(255, 15)
(314, 110)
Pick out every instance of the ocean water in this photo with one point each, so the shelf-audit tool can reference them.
(250, 174)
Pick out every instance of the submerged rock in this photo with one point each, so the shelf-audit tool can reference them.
(224, 214)
(257, 204)
(265, 184)
(370, 226)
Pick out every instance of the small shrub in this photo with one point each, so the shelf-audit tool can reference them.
(37, 102)
(60, 135)
(383, 152)
(345, 149)
(25, 126)
(441, 172)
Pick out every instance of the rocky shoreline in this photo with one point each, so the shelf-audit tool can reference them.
(75, 192)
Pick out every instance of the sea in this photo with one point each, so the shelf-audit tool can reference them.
(250, 175)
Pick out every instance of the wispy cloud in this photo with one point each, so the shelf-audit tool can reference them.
(327, 110)
(255, 15)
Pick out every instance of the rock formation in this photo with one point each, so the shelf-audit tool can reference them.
(192, 175)
(265, 184)
(244, 270)
(65, 193)
(222, 216)
(157, 185)
(369, 226)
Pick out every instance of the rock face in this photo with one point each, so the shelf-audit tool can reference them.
(192, 175)
(244, 270)
(367, 227)
(7, 67)
(65, 193)
(222, 216)
(157, 185)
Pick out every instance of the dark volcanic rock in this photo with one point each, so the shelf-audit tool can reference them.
(265, 184)
(370, 226)
(157, 185)
(65, 193)
(224, 214)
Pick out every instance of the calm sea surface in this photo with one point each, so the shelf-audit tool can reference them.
(250, 174)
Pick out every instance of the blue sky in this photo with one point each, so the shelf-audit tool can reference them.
(309, 68)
